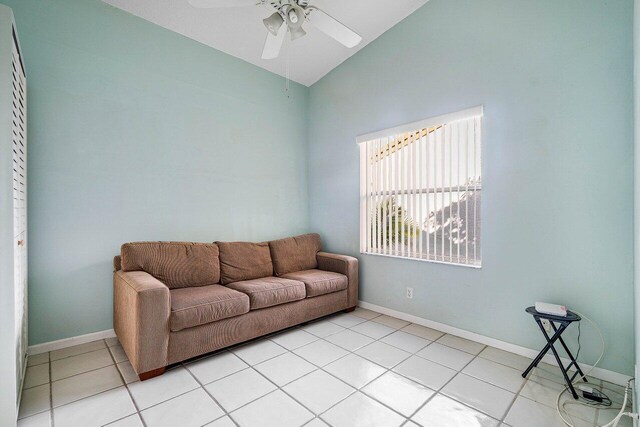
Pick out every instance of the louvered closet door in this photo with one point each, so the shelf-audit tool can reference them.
(20, 209)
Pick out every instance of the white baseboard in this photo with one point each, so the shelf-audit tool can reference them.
(70, 342)
(603, 374)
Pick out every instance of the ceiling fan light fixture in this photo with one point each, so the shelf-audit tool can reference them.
(273, 23)
(295, 16)
(296, 33)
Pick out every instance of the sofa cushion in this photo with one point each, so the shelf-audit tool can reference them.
(295, 253)
(319, 282)
(176, 264)
(205, 304)
(269, 291)
(244, 261)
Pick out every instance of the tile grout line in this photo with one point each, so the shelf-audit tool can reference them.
(438, 391)
(276, 385)
(126, 386)
(487, 381)
(252, 367)
(79, 354)
(225, 413)
(51, 380)
(356, 390)
(160, 403)
(186, 366)
(90, 395)
(84, 372)
(285, 392)
(51, 418)
(513, 401)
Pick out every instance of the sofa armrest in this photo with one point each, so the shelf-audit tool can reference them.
(342, 264)
(141, 310)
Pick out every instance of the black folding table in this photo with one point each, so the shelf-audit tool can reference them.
(563, 323)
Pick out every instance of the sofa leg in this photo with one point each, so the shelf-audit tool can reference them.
(152, 374)
(349, 310)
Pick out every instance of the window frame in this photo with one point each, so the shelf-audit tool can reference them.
(415, 127)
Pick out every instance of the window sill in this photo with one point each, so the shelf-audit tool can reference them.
(477, 267)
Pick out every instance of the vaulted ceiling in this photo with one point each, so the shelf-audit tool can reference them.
(239, 31)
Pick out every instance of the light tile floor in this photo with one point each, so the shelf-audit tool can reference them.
(358, 369)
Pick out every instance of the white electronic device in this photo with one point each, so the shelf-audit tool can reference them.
(553, 309)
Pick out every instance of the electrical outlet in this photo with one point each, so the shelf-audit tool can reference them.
(546, 324)
(410, 293)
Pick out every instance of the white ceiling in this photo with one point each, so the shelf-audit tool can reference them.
(240, 32)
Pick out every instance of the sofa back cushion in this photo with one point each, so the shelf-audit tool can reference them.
(244, 261)
(176, 264)
(295, 253)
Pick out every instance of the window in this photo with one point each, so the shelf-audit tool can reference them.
(420, 190)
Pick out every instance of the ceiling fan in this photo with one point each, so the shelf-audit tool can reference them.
(289, 16)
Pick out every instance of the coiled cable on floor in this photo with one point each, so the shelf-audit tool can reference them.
(616, 419)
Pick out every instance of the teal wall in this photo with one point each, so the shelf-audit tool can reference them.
(136, 133)
(555, 79)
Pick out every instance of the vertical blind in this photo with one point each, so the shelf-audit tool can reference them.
(420, 190)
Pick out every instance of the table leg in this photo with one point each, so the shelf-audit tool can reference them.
(544, 350)
(564, 371)
(574, 362)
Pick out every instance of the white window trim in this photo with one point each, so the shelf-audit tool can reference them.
(426, 123)
(406, 128)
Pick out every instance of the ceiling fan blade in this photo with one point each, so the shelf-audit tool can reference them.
(333, 28)
(221, 3)
(273, 43)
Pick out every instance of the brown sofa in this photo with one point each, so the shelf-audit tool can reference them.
(176, 300)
